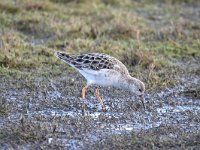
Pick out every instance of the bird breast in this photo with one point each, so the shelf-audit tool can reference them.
(104, 77)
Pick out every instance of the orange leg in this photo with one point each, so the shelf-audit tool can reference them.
(100, 100)
(84, 91)
(83, 97)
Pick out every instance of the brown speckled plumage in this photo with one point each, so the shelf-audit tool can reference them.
(93, 61)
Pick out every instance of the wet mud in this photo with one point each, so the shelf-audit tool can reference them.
(50, 114)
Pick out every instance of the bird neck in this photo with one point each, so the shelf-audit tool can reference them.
(126, 82)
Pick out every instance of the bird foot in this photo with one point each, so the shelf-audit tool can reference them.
(104, 109)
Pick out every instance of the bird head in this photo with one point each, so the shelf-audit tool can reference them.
(137, 87)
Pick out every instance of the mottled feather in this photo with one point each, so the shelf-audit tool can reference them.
(93, 61)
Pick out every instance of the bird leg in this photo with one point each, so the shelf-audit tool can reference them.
(83, 97)
(100, 100)
(84, 91)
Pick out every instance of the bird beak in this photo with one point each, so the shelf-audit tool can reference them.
(142, 100)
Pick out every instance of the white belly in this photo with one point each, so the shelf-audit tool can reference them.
(104, 77)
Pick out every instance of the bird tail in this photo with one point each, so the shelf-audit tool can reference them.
(66, 58)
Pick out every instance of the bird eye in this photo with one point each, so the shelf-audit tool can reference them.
(140, 90)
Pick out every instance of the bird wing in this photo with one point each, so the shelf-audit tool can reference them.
(93, 61)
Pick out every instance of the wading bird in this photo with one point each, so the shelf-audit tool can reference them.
(103, 70)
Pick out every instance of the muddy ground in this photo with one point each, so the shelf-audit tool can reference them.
(40, 104)
(49, 115)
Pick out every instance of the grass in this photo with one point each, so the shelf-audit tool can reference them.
(155, 40)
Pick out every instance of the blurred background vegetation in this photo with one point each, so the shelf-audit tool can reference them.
(137, 32)
(148, 36)
(158, 40)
